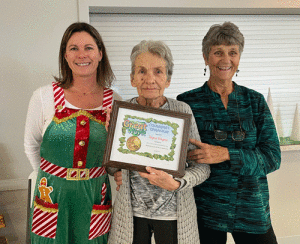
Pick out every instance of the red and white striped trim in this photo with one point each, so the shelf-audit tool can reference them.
(107, 98)
(44, 220)
(62, 172)
(103, 193)
(100, 223)
(59, 97)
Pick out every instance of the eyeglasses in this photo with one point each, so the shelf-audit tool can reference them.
(221, 135)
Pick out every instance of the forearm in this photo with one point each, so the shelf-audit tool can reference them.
(259, 161)
(195, 175)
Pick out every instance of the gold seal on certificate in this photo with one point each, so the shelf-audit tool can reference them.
(133, 143)
(142, 136)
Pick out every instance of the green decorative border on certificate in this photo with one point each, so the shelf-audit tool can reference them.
(140, 136)
(168, 157)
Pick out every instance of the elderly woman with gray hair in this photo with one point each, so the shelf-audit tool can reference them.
(155, 202)
(239, 142)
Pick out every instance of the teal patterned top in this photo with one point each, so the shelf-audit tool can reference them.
(236, 196)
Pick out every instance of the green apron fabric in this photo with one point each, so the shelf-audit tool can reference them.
(74, 198)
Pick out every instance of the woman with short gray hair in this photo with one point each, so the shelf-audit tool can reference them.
(155, 202)
(228, 34)
(239, 141)
(157, 48)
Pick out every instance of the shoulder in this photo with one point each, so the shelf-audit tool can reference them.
(43, 93)
(176, 102)
(190, 93)
(250, 92)
(47, 94)
(252, 103)
(179, 106)
(46, 90)
(249, 96)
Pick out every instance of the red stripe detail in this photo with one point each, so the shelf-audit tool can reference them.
(42, 225)
(103, 193)
(59, 96)
(42, 231)
(62, 174)
(73, 174)
(44, 222)
(107, 98)
(53, 168)
(82, 134)
(101, 224)
(97, 171)
(38, 217)
(49, 168)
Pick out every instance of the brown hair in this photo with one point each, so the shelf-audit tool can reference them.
(105, 75)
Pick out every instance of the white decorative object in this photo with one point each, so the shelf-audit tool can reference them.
(270, 103)
(295, 136)
(271, 107)
(279, 123)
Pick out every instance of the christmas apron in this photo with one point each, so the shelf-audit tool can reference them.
(72, 200)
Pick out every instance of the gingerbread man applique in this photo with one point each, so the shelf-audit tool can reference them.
(45, 190)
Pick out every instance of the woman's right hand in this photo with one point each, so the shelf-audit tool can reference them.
(118, 179)
(208, 154)
(108, 112)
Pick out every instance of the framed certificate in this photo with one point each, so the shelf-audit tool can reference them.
(140, 136)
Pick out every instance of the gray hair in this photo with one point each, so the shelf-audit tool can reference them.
(155, 47)
(225, 34)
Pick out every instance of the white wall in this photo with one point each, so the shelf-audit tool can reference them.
(258, 4)
(30, 37)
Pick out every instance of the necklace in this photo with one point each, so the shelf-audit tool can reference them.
(85, 93)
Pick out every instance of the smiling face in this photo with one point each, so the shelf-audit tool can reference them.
(223, 62)
(150, 77)
(83, 55)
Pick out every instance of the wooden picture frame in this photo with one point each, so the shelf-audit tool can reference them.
(140, 136)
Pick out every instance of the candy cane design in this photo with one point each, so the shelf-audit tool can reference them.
(100, 217)
(103, 193)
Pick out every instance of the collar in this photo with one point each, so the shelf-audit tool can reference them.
(208, 91)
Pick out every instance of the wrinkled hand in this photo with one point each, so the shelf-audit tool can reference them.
(161, 179)
(108, 111)
(118, 179)
(208, 154)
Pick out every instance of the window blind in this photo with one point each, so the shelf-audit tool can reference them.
(271, 57)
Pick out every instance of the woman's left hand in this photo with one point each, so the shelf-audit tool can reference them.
(161, 179)
(208, 154)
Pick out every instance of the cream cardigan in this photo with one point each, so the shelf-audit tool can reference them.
(122, 222)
